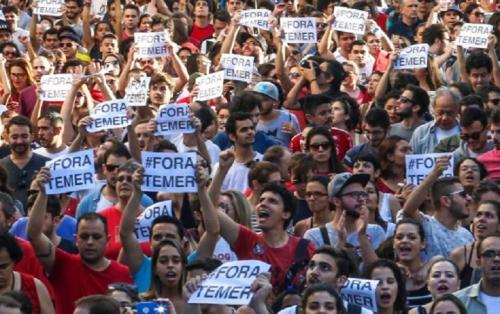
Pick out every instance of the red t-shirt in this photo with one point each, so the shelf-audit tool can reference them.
(113, 216)
(72, 279)
(30, 265)
(28, 286)
(251, 245)
(199, 34)
(343, 142)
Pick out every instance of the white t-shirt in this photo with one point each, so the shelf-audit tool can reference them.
(237, 176)
(492, 303)
(43, 151)
(442, 134)
(223, 251)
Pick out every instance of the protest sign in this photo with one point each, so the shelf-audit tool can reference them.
(419, 166)
(49, 7)
(474, 35)
(71, 172)
(360, 292)
(137, 91)
(173, 119)
(151, 44)
(169, 172)
(258, 18)
(110, 114)
(55, 87)
(237, 67)
(229, 284)
(98, 8)
(349, 20)
(210, 86)
(413, 57)
(299, 29)
(145, 219)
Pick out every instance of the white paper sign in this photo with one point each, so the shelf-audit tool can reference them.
(413, 57)
(169, 172)
(110, 114)
(349, 20)
(419, 166)
(237, 67)
(173, 119)
(210, 86)
(55, 87)
(145, 219)
(49, 7)
(98, 7)
(299, 29)
(151, 44)
(360, 292)
(474, 35)
(258, 18)
(71, 172)
(137, 91)
(229, 284)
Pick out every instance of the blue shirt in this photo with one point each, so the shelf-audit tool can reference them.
(402, 29)
(261, 144)
(66, 228)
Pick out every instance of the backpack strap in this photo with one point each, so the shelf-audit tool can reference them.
(301, 260)
(353, 309)
(324, 235)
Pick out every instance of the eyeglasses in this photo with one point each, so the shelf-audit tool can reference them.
(66, 45)
(461, 193)
(10, 53)
(111, 168)
(317, 146)
(356, 194)
(294, 75)
(471, 136)
(405, 100)
(490, 254)
(315, 194)
(124, 178)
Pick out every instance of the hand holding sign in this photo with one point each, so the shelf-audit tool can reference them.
(42, 177)
(192, 285)
(261, 288)
(442, 163)
(83, 124)
(202, 175)
(138, 179)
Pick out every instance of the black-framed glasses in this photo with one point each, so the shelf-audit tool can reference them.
(317, 146)
(111, 168)
(490, 254)
(478, 14)
(356, 194)
(471, 136)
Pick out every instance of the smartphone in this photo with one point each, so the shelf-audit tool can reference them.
(151, 307)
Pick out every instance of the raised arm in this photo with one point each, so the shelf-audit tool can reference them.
(87, 39)
(461, 64)
(492, 42)
(226, 159)
(383, 85)
(228, 43)
(131, 254)
(123, 79)
(117, 22)
(67, 110)
(179, 68)
(43, 247)
(77, 143)
(326, 41)
(34, 20)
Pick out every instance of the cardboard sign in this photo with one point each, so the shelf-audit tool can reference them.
(55, 87)
(49, 7)
(137, 91)
(145, 219)
(419, 166)
(360, 292)
(299, 29)
(71, 172)
(413, 57)
(110, 114)
(237, 67)
(349, 20)
(210, 86)
(151, 44)
(98, 8)
(173, 119)
(169, 172)
(474, 35)
(229, 284)
(258, 18)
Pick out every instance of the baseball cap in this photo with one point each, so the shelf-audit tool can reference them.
(267, 89)
(4, 26)
(69, 35)
(343, 179)
(452, 8)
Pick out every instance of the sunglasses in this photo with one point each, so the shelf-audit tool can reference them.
(471, 136)
(478, 14)
(405, 100)
(317, 146)
(66, 45)
(461, 193)
(10, 53)
(495, 102)
(111, 168)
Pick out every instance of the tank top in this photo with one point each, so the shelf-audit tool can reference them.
(469, 275)
(28, 286)
(418, 297)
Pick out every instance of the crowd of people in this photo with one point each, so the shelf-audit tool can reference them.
(303, 167)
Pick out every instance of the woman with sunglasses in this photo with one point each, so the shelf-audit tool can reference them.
(321, 145)
(486, 222)
(474, 13)
(392, 154)
(317, 199)
(20, 76)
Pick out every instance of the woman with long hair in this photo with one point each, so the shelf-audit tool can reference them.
(470, 172)
(429, 78)
(442, 279)
(448, 303)
(391, 292)
(20, 76)
(168, 274)
(345, 115)
(321, 145)
(374, 217)
(392, 154)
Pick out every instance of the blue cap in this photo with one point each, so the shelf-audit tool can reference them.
(267, 89)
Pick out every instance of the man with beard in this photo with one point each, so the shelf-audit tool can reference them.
(347, 193)
(105, 196)
(280, 124)
(72, 16)
(49, 131)
(442, 230)
(411, 106)
(474, 134)
(28, 96)
(484, 297)
(22, 164)
(491, 159)
(78, 275)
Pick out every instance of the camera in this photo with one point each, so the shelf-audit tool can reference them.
(306, 63)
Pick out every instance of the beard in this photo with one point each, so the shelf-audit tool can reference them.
(406, 113)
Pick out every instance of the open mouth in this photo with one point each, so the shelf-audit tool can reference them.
(263, 214)
(469, 177)
(385, 297)
(443, 289)
(481, 227)
(171, 275)
(404, 249)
